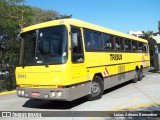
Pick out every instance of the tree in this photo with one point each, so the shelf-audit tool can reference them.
(14, 16)
(148, 36)
(63, 16)
(10, 27)
(40, 15)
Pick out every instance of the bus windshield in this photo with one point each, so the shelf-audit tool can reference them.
(44, 46)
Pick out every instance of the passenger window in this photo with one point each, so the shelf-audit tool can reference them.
(140, 48)
(127, 44)
(88, 39)
(77, 46)
(96, 44)
(117, 43)
(145, 47)
(106, 43)
(134, 45)
(111, 42)
(122, 43)
(92, 40)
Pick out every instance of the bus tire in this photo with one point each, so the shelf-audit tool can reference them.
(136, 76)
(140, 76)
(97, 89)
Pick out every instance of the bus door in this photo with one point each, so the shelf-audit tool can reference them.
(77, 54)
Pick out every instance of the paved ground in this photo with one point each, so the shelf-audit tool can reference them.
(141, 96)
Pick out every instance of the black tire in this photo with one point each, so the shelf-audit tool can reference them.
(136, 76)
(97, 89)
(140, 76)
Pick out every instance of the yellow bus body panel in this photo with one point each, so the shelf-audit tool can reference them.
(70, 73)
(97, 62)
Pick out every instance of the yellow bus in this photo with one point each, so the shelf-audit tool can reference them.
(68, 58)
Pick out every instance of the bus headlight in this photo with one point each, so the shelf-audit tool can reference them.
(53, 94)
(46, 96)
(59, 94)
(22, 93)
(19, 92)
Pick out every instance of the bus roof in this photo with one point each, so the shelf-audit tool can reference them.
(82, 24)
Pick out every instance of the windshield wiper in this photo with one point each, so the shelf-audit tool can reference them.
(43, 60)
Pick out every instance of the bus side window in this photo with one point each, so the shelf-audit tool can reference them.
(140, 47)
(127, 45)
(77, 46)
(130, 44)
(106, 43)
(134, 45)
(145, 47)
(88, 39)
(97, 41)
(112, 42)
(117, 43)
(122, 43)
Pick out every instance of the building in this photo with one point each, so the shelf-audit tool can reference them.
(135, 33)
(155, 41)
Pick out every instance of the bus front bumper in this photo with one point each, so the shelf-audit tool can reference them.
(44, 93)
(61, 94)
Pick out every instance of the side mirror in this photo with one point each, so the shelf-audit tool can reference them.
(74, 39)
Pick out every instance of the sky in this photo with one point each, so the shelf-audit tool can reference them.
(121, 15)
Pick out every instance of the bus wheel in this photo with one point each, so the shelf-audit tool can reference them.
(140, 76)
(136, 76)
(97, 89)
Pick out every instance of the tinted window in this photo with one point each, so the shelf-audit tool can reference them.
(127, 44)
(96, 44)
(106, 43)
(134, 45)
(45, 46)
(88, 39)
(111, 42)
(122, 43)
(77, 47)
(29, 39)
(140, 47)
(52, 45)
(117, 43)
(145, 48)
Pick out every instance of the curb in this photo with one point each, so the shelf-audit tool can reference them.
(8, 92)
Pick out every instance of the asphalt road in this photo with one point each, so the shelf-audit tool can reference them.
(141, 96)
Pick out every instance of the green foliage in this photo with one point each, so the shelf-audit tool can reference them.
(6, 83)
(43, 15)
(147, 35)
(14, 16)
(63, 16)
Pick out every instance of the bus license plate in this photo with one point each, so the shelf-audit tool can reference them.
(36, 94)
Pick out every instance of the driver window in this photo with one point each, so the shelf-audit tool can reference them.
(77, 47)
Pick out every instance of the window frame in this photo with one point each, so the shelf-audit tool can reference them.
(82, 48)
(92, 49)
(122, 42)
